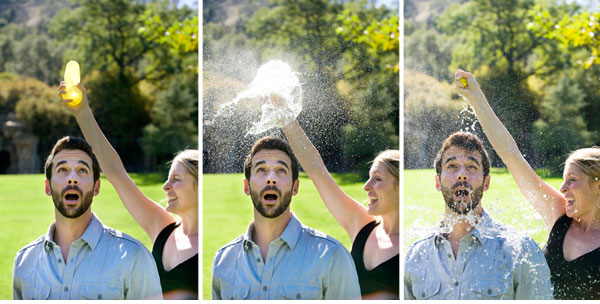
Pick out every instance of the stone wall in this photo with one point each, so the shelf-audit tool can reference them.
(18, 148)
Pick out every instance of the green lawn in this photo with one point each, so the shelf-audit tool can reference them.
(423, 205)
(26, 212)
(227, 211)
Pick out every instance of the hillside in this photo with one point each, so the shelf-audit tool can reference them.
(33, 14)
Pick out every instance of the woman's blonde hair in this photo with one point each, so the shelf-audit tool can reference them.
(189, 159)
(588, 160)
(391, 160)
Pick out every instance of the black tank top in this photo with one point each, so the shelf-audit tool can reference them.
(183, 277)
(384, 277)
(578, 279)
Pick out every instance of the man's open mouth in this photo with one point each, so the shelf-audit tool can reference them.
(72, 196)
(72, 193)
(462, 193)
(270, 197)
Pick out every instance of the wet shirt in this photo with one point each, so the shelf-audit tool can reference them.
(578, 279)
(302, 263)
(493, 262)
(102, 264)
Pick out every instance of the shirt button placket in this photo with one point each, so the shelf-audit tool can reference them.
(268, 270)
(68, 274)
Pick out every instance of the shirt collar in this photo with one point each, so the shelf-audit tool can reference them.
(91, 235)
(483, 229)
(290, 234)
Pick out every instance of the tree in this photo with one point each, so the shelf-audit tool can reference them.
(370, 83)
(103, 34)
(492, 39)
(514, 104)
(561, 129)
(129, 51)
(36, 105)
(430, 115)
(428, 51)
(174, 126)
(492, 33)
(176, 31)
(173, 67)
(576, 31)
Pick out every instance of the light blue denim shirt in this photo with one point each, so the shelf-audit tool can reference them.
(302, 263)
(103, 264)
(492, 262)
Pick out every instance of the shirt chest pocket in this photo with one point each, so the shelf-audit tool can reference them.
(36, 293)
(491, 289)
(101, 292)
(300, 292)
(426, 290)
(239, 292)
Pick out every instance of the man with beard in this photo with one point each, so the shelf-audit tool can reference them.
(79, 257)
(278, 257)
(470, 255)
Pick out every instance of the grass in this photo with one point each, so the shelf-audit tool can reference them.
(26, 212)
(423, 205)
(227, 211)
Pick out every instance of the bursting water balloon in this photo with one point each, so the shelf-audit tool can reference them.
(275, 90)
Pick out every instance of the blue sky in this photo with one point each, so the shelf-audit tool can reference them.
(189, 3)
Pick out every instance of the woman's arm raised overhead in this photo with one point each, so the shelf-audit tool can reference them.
(347, 211)
(149, 215)
(546, 200)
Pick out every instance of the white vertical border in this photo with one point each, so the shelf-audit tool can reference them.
(200, 162)
(401, 139)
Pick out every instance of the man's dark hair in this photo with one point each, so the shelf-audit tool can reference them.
(72, 143)
(467, 141)
(271, 143)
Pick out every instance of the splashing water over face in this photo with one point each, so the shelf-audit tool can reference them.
(275, 91)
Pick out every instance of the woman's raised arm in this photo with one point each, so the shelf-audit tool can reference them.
(546, 200)
(149, 215)
(347, 211)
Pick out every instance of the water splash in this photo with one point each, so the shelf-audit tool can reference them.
(468, 119)
(451, 219)
(275, 90)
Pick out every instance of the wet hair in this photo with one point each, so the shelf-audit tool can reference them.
(588, 160)
(391, 160)
(467, 141)
(189, 159)
(271, 143)
(72, 143)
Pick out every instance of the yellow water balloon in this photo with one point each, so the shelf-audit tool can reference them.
(463, 81)
(72, 79)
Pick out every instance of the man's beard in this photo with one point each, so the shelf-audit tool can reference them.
(473, 199)
(85, 202)
(284, 202)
